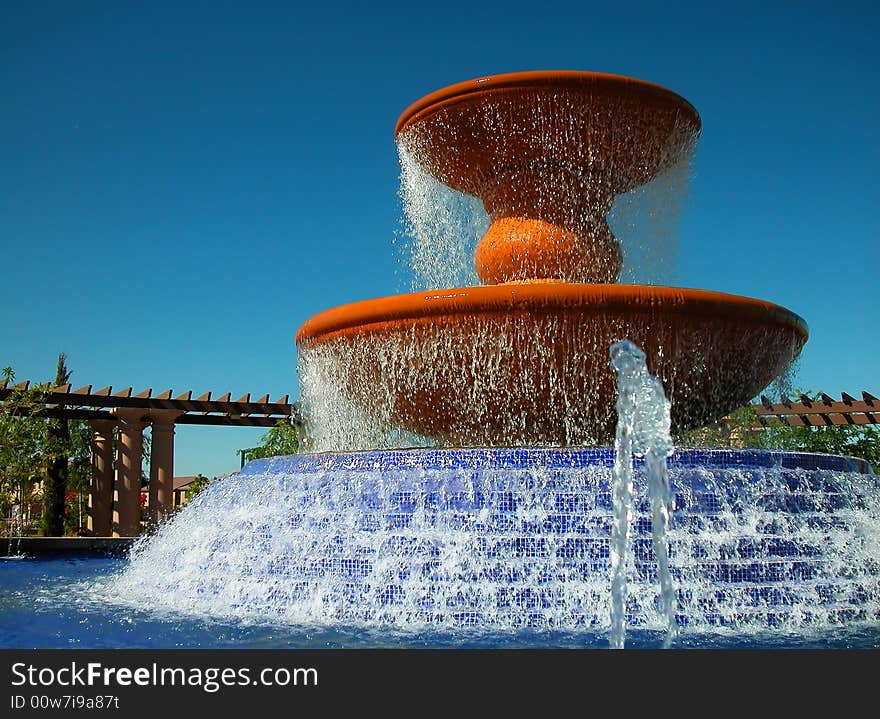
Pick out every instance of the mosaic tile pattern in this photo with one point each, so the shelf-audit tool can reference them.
(510, 538)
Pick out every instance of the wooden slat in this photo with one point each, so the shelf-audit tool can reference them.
(146, 394)
(800, 408)
(64, 412)
(825, 411)
(833, 419)
(123, 392)
(227, 420)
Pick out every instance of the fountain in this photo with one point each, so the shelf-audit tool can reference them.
(491, 505)
(522, 360)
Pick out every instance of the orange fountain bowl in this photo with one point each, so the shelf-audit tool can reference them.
(547, 152)
(625, 130)
(528, 364)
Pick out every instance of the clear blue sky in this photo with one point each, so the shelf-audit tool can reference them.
(183, 184)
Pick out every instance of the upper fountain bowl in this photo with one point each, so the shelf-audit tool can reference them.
(547, 152)
(478, 127)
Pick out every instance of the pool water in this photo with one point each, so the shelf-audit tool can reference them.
(64, 602)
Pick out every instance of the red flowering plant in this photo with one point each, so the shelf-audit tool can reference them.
(74, 512)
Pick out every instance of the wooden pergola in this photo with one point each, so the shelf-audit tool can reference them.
(114, 496)
(821, 412)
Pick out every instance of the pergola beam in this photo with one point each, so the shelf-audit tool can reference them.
(242, 411)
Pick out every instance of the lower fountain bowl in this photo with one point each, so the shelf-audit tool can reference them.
(500, 539)
(526, 364)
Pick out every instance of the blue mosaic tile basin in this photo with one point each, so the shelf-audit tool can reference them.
(481, 542)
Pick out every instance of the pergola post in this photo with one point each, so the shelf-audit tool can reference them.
(100, 517)
(162, 464)
(128, 472)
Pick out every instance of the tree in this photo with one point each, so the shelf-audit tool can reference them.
(57, 451)
(23, 440)
(852, 440)
(199, 482)
(33, 449)
(739, 429)
(734, 430)
(283, 438)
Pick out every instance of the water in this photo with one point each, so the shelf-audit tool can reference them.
(643, 428)
(523, 374)
(442, 226)
(15, 526)
(762, 554)
(512, 547)
(62, 603)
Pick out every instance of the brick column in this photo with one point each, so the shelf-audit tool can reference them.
(100, 517)
(162, 464)
(128, 472)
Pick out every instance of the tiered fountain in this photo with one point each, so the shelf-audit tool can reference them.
(505, 522)
(523, 359)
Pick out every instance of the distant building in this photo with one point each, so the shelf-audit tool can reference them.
(181, 485)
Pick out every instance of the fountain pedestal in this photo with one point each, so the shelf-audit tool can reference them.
(548, 223)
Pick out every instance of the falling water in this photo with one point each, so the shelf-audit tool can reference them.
(643, 428)
(496, 541)
(15, 527)
(340, 378)
(442, 226)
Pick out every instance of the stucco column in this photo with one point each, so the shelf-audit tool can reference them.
(128, 472)
(162, 464)
(100, 517)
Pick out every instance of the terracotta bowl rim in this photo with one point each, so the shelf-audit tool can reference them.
(541, 298)
(539, 78)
